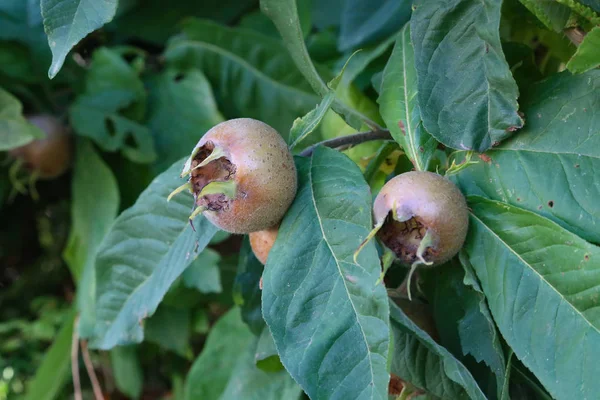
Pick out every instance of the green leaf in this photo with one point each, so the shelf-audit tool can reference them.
(181, 109)
(265, 356)
(306, 125)
(550, 167)
(587, 9)
(467, 94)
(364, 22)
(211, 371)
(148, 247)
(94, 207)
(203, 274)
(169, 327)
(246, 290)
(542, 289)
(127, 371)
(66, 22)
(52, 373)
(15, 131)
(587, 55)
(399, 105)
(252, 75)
(284, 14)
(552, 14)
(317, 302)
(418, 359)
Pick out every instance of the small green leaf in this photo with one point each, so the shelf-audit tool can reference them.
(467, 95)
(15, 131)
(587, 55)
(127, 371)
(265, 356)
(542, 286)
(317, 302)
(203, 274)
(148, 247)
(169, 327)
(66, 22)
(94, 207)
(399, 105)
(418, 359)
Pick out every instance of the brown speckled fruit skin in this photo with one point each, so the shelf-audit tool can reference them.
(262, 241)
(435, 201)
(265, 175)
(51, 156)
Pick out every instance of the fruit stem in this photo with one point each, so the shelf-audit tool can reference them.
(350, 140)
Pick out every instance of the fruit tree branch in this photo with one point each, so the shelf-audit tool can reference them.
(349, 140)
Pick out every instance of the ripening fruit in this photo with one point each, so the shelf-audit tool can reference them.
(50, 157)
(242, 176)
(262, 241)
(423, 218)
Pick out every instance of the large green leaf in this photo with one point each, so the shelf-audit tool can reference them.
(15, 131)
(203, 274)
(542, 286)
(53, 371)
(246, 289)
(148, 247)
(213, 369)
(399, 106)
(252, 75)
(94, 207)
(552, 165)
(418, 359)
(467, 94)
(181, 109)
(127, 370)
(366, 21)
(317, 302)
(587, 55)
(66, 22)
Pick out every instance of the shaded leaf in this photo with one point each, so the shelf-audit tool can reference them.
(467, 94)
(127, 371)
(148, 247)
(552, 14)
(418, 359)
(203, 274)
(398, 103)
(551, 167)
(587, 55)
(169, 327)
(15, 130)
(316, 301)
(94, 207)
(252, 75)
(265, 356)
(66, 22)
(246, 290)
(542, 289)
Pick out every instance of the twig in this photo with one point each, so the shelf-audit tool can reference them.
(575, 35)
(349, 140)
(90, 370)
(75, 362)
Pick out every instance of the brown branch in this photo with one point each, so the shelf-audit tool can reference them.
(349, 140)
(575, 35)
(89, 366)
(75, 363)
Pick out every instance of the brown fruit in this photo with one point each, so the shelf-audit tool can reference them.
(51, 156)
(262, 241)
(242, 176)
(423, 218)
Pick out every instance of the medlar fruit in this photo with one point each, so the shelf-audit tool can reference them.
(261, 243)
(242, 176)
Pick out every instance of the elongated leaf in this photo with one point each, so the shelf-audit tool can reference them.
(542, 287)
(366, 21)
(587, 55)
(181, 108)
(467, 94)
(212, 370)
(317, 302)
(66, 22)
(94, 207)
(251, 74)
(284, 14)
(15, 131)
(246, 288)
(306, 125)
(399, 105)
(52, 373)
(127, 370)
(418, 359)
(552, 166)
(149, 246)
